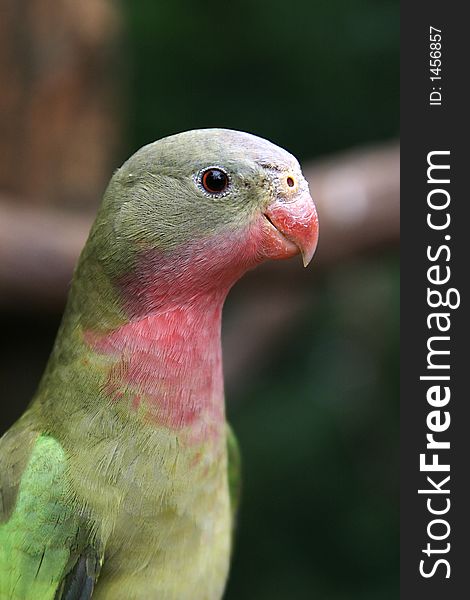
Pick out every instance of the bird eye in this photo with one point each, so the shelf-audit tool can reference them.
(214, 181)
(290, 182)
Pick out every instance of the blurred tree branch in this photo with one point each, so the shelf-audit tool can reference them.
(356, 194)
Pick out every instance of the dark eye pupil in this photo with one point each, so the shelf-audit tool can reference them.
(214, 181)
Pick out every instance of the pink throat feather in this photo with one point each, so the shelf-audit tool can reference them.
(170, 364)
(168, 356)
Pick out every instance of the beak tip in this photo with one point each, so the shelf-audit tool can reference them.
(306, 259)
(308, 253)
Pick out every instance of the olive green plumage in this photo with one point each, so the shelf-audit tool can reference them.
(116, 482)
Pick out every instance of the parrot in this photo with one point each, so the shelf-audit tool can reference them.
(121, 479)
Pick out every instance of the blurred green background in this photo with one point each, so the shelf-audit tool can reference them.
(317, 418)
(313, 76)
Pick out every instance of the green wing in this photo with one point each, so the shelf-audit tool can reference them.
(234, 472)
(45, 548)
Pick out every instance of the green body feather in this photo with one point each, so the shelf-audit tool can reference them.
(44, 536)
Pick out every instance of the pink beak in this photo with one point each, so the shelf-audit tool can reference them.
(293, 228)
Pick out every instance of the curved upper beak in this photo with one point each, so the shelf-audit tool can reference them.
(296, 220)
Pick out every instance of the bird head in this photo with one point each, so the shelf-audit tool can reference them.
(197, 209)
